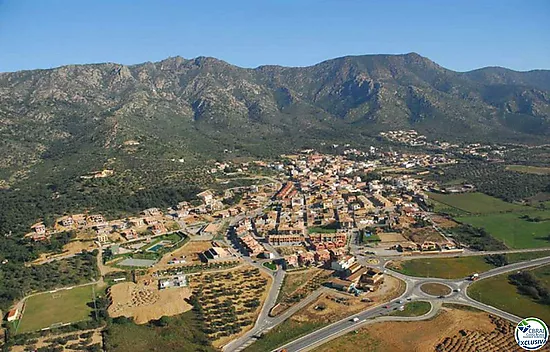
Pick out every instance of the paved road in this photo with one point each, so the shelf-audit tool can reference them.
(412, 293)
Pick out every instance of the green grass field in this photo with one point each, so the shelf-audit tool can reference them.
(473, 203)
(270, 266)
(529, 169)
(64, 306)
(448, 268)
(414, 309)
(498, 292)
(459, 267)
(514, 231)
(320, 229)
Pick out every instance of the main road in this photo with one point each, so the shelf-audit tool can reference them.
(412, 293)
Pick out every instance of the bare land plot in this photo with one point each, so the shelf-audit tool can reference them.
(311, 318)
(423, 234)
(293, 280)
(336, 305)
(145, 302)
(452, 330)
(288, 250)
(190, 250)
(71, 248)
(391, 237)
(443, 222)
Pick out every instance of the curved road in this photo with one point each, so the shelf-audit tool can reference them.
(412, 293)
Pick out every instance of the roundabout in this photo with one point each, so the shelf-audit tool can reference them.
(436, 289)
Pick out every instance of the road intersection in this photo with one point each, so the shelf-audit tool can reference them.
(413, 293)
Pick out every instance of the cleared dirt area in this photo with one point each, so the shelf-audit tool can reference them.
(436, 289)
(73, 341)
(288, 250)
(70, 248)
(297, 286)
(294, 280)
(391, 237)
(334, 305)
(190, 250)
(443, 222)
(424, 234)
(145, 302)
(453, 329)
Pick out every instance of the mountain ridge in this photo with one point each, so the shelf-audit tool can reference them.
(202, 106)
(412, 53)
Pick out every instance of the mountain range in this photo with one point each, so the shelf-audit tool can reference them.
(194, 107)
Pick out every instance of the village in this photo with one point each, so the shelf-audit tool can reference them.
(333, 213)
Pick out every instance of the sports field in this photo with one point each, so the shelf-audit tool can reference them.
(514, 229)
(56, 308)
(474, 203)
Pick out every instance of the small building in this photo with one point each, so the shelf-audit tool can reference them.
(13, 314)
(130, 234)
(291, 260)
(103, 237)
(322, 255)
(343, 264)
(306, 258)
(209, 229)
(39, 228)
(214, 253)
(207, 197)
(176, 281)
(66, 221)
(372, 277)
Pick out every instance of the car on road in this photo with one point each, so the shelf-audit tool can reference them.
(387, 306)
(441, 296)
(400, 301)
(456, 290)
(355, 319)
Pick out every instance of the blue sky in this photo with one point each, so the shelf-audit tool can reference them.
(458, 34)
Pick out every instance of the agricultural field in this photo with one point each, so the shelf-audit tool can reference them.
(457, 267)
(228, 302)
(56, 308)
(88, 340)
(517, 230)
(498, 292)
(537, 170)
(474, 203)
(414, 309)
(453, 329)
(516, 226)
(181, 333)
